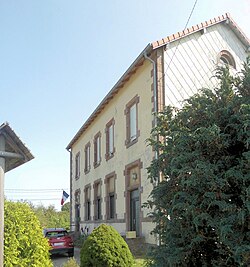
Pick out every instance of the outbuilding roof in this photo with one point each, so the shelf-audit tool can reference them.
(147, 50)
(13, 144)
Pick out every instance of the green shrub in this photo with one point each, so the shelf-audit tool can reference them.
(105, 247)
(71, 263)
(24, 244)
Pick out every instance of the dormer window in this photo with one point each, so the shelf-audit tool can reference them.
(226, 58)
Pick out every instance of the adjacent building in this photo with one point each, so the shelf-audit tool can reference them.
(109, 155)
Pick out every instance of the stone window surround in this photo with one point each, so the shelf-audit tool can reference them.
(87, 160)
(109, 155)
(97, 163)
(87, 201)
(134, 100)
(77, 165)
(106, 199)
(97, 183)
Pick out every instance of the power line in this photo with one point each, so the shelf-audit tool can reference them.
(190, 15)
(34, 190)
(33, 199)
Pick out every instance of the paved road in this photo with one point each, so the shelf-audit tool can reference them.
(59, 260)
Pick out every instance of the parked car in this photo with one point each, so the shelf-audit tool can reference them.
(60, 241)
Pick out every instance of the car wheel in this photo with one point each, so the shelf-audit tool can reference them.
(71, 254)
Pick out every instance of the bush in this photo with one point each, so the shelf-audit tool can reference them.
(201, 205)
(71, 263)
(105, 247)
(24, 244)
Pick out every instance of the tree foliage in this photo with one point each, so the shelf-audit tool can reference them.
(201, 204)
(24, 244)
(104, 247)
(49, 217)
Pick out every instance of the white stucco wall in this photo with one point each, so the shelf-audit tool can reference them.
(191, 62)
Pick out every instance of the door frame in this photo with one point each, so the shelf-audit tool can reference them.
(128, 189)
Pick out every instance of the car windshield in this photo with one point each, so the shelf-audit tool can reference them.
(56, 234)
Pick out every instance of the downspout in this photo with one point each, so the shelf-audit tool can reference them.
(155, 114)
(71, 200)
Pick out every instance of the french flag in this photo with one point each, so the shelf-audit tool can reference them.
(64, 197)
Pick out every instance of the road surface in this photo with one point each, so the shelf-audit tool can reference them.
(59, 260)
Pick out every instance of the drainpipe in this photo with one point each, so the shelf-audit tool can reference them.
(71, 198)
(155, 114)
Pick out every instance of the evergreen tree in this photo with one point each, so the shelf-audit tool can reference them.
(201, 203)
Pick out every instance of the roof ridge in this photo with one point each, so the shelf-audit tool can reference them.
(198, 27)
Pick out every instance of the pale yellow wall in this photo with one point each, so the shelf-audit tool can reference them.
(139, 84)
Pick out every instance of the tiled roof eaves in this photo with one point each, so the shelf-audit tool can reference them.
(17, 145)
(125, 77)
(5, 128)
(224, 18)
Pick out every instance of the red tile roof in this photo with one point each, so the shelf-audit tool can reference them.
(224, 18)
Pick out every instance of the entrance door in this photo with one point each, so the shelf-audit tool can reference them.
(134, 211)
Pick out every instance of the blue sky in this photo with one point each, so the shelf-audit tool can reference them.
(59, 58)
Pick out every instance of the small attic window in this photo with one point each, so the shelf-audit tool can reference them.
(226, 58)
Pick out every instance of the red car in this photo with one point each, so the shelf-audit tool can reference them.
(60, 241)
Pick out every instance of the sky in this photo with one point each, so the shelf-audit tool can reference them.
(58, 60)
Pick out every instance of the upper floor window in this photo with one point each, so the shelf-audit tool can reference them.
(77, 165)
(225, 57)
(131, 112)
(97, 150)
(110, 149)
(87, 158)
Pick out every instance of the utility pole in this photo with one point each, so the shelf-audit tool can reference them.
(13, 153)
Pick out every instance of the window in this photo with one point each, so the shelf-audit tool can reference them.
(110, 196)
(110, 150)
(97, 200)
(131, 113)
(77, 165)
(87, 203)
(97, 150)
(133, 122)
(226, 58)
(77, 210)
(87, 158)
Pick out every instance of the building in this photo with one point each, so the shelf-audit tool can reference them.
(109, 156)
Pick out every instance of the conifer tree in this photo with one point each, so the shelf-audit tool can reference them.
(201, 202)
